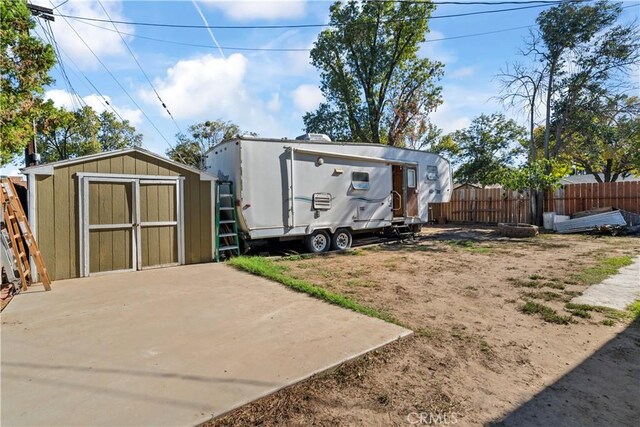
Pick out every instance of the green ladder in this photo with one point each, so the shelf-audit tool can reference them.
(227, 240)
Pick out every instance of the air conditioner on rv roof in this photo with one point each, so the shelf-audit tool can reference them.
(317, 137)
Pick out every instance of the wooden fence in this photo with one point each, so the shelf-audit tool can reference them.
(581, 197)
(493, 205)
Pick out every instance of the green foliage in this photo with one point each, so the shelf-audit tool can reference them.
(24, 63)
(200, 137)
(534, 176)
(114, 134)
(585, 54)
(63, 134)
(261, 266)
(634, 309)
(330, 122)
(376, 87)
(604, 136)
(486, 148)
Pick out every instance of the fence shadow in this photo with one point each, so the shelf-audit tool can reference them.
(604, 390)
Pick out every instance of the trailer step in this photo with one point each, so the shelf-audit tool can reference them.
(227, 235)
(227, 221)
(228, 248)
(227, 208)
(225, 195)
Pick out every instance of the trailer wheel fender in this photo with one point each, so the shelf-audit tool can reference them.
(318, 241)
(341, 239)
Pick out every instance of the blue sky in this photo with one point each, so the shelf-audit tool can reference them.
(264, 92)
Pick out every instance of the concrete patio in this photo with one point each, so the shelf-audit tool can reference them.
(173, 346)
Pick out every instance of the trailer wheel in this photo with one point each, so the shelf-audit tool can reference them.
(318, 241)
(341, 240)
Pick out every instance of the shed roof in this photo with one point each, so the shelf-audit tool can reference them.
(47, 168)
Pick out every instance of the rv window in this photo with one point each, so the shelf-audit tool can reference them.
(411, 178)
(432, 173)
(360, 180)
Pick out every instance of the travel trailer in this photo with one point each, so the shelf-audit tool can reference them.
(324, 192)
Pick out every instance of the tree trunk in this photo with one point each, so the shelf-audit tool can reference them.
(547, 126)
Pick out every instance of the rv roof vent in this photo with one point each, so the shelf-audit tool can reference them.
(317, 137)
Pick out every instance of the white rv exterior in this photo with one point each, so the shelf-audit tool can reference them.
(292, 188)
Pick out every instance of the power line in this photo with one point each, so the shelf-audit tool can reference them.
(118, 83)
(141, 69)
(104, 100)
(290, 26)
(260, 49)
(76, 100)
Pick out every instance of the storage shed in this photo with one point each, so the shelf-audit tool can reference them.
(121, 210)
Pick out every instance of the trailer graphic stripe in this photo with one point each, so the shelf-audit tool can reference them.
(364, 199)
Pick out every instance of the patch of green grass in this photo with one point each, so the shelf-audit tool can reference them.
(469, 245)
(546, 313)
(524, 283)
(604, 268)
(428, 332)
(554, 285)
(634, 309)
(608, 322)
(485, 347)
(358, 272)
(536, 277)
(609, 313)
(544, 295)
(263, 267)
(572, 294)
(581, 313)
(296, 257)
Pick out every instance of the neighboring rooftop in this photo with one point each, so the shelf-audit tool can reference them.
(589, 179)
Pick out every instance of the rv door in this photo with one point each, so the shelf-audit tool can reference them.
(411, 192)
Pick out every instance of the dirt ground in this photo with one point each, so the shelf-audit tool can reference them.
(476, 358)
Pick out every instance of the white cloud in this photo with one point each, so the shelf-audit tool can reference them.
(307, 97)
(103, 43)
(64, 99)
(246, 10)
(208, 87)
(274, 103)
(205, 84)
(434, 49)
(462, 72)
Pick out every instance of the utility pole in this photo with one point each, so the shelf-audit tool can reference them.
(31, 156)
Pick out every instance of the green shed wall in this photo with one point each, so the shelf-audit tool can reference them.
(57, 209)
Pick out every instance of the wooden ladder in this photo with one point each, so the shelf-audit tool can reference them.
(20, 234)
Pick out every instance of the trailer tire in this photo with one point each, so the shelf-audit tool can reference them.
(318, 242)
(341, 239)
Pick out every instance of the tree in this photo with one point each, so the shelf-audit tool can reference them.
(114, 134)
(63, 134)
(330, 122)
(484, 149)
(534, 176)
(522, 88)
(191, 147)
(582, 50)
(604, 137)
(24, 63)
(371, 73)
